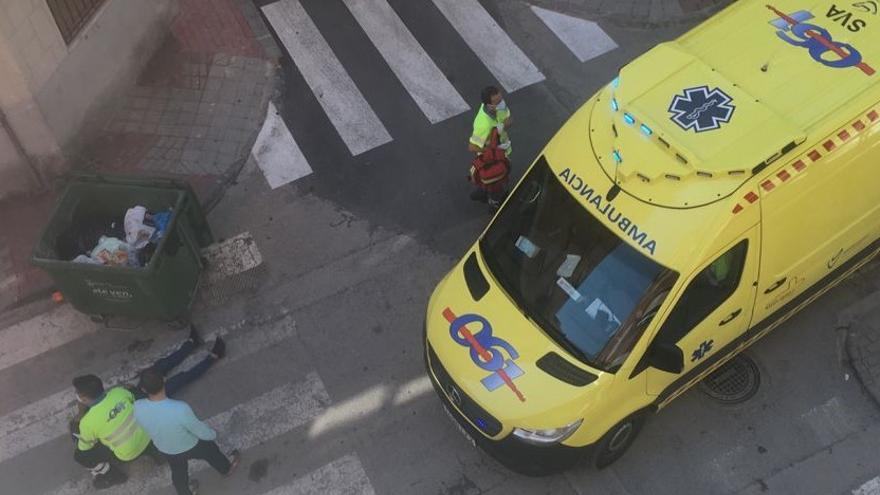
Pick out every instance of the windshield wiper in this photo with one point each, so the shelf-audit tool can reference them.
(561, 339)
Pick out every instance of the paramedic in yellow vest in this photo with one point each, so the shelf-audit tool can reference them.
(493, 114)
(107, 431)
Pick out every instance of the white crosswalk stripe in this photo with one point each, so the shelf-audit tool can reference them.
(46, 419)
(345, 106)
(343, 476)
(244, 426)
(276, 152)
(584, 38)
(490, 43)
(423, 80)
(870, 487)
(43, 333)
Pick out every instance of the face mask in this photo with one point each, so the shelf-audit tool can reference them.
(502, 105)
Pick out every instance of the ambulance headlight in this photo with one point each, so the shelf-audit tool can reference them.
(547, 437)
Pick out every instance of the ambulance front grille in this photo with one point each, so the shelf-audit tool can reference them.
(478, 416)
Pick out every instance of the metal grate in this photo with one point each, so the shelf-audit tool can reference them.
(72, 15)
(735, 381)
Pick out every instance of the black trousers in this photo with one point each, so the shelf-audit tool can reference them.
(101, 453)
(179, 463)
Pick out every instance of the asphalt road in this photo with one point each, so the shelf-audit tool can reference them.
(325, 388)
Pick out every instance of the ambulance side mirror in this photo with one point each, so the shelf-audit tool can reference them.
(666, 357)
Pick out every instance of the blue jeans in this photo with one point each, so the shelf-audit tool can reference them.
(180, 380)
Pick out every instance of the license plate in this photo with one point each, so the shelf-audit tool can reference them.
(459, 427)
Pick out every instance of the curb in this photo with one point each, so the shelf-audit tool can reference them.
(849, 321)
(853, 356)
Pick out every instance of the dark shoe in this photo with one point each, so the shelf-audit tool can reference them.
(194, 487)
(236, 460)
(219, 349)
(111, 478)
(194, 336)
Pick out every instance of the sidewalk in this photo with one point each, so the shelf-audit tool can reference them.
(193, 114)
(861, 321)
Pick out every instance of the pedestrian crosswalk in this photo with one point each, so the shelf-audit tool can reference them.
(345, 476)
(297, 404)
(490, 43)
(424, 81)
(277, 153)
(244, 426)
(36, 336)
(345, 104)
(585, 39)
(46, 419)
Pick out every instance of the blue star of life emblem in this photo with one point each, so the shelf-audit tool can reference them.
(700, 109)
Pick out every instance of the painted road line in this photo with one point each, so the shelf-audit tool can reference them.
(33, 337)
(490, 43)
(46, 419)
(871, 487)
(345, 106)
(584, 38)
(276, 152)
(424, 81)
(830, 421)
(344, 476)
(244, 426)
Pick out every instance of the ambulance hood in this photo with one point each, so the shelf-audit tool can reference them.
(530, 396)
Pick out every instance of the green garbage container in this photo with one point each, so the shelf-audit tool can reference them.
(164, 287)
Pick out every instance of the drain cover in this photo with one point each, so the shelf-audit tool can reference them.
(734, 382)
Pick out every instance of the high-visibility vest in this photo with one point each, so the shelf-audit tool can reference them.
(483, 125)
(111, 422)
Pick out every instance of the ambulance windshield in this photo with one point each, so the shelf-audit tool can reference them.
(590, 291)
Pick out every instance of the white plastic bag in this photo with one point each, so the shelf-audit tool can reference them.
(137, 235)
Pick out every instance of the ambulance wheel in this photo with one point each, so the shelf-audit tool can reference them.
(617, 440)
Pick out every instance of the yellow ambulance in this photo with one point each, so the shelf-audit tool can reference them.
(714, 188)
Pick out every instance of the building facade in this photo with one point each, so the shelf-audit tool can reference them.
(61, 63)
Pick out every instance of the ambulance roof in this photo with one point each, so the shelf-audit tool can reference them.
(692, 120)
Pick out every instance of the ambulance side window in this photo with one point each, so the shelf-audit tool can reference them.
(708, 290)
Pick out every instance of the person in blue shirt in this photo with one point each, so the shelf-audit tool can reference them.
(178, 434)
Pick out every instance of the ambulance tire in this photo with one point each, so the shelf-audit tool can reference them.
(617, 440)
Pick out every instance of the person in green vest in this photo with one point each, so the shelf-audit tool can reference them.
(492, 115)
(107, 431)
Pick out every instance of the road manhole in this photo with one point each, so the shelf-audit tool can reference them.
(734, 382)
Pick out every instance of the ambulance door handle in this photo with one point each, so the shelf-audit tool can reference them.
(776, 285)
(730, 317)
